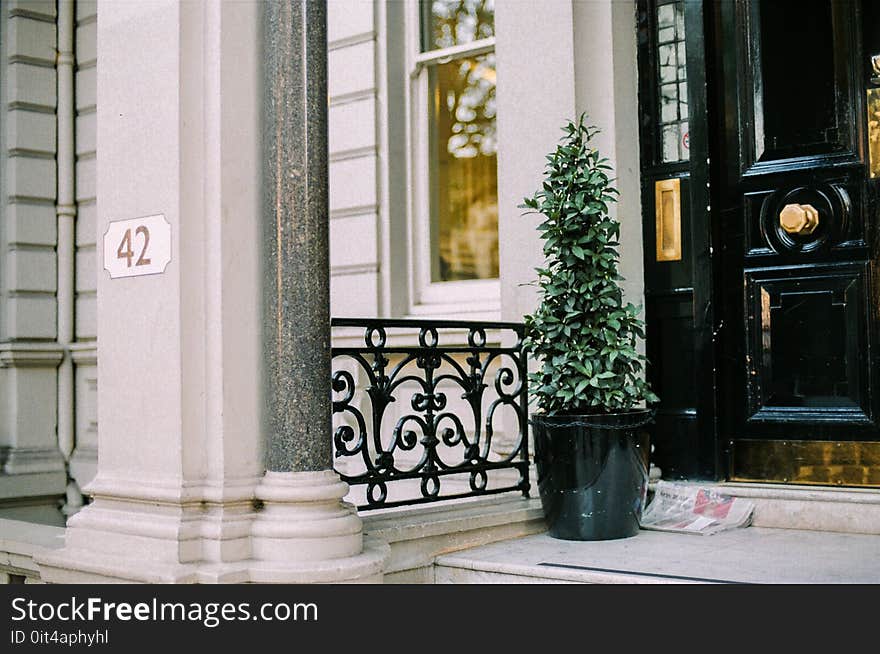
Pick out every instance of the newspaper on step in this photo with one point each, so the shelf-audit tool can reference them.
(692, 509)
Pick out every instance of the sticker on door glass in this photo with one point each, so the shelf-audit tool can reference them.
(139, 246)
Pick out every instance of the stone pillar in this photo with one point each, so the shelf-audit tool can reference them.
(185, 436)
(304, 532)
(179, 445)
(296, 238)
(529, 126)
(606, 87)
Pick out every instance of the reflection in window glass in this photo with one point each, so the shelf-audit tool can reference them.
(446, 23)
(786, 72)
(464, 184)
(672, 83)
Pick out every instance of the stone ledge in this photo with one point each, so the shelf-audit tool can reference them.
(20, 541)
(95, 568)
(801, 492)
(813, 508)
(30, 354)
(84, 353)
(418, 535)
(32, 484)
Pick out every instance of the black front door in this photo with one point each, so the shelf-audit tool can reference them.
(760, 139)
(797, 287)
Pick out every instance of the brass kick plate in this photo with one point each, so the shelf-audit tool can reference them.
(826, 463)
(873, 105)
(667, 201)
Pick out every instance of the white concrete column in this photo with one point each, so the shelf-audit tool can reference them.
(535, 96)
(179, 364)
(180, 493)
(606, 87)
(587, 64)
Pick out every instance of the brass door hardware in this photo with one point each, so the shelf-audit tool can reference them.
(873, 105)
(838, 463)
(667, 208)
(799, 218)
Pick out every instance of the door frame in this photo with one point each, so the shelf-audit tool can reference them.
(705, 457)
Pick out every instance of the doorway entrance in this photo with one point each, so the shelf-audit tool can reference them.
(760, 178)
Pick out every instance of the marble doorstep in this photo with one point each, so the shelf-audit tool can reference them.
(748, 555)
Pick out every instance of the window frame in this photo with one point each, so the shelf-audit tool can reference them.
(428, 297)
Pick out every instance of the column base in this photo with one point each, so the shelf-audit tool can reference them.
(367, 567)
(68, 566)
(81, 567)
(132, 532)
(305, 533)
(303, 518)
(29, 460)
(299, 532)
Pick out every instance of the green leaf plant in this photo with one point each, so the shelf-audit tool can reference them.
(582, 333)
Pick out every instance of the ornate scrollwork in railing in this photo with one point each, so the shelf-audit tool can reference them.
(430, 413)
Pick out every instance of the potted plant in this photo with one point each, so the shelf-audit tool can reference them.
(591, 446)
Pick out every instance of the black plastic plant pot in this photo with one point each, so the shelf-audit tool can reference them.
(592, 473)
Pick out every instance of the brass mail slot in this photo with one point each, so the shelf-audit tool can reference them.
(667, 201)
(874, 133)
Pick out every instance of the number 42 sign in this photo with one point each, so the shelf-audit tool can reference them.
(140, 246)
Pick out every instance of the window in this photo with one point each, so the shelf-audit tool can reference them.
(672, 78)
(454, 150)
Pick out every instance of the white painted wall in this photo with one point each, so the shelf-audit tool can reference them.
(535, 95)
(28, 286)
(30, 462)
(606, 87)
(28, 232)
(354, 159)
(586, 63)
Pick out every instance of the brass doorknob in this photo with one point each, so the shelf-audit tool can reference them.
(799, 218)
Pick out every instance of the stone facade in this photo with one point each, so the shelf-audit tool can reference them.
(34, 356)
(172, 95)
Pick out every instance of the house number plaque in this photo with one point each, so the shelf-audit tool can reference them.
(140, 246)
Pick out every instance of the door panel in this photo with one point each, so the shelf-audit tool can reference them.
(802, 85)
(806, 333)
(678, 310)
(796, 211)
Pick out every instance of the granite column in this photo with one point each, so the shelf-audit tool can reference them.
(304, 526)
(296, 258)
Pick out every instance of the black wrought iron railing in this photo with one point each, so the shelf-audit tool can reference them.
(428, 410)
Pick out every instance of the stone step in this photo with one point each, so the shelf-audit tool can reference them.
(748, 555)
(814, 508)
